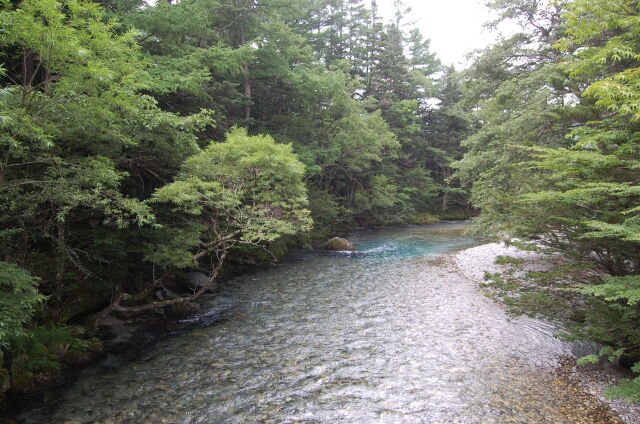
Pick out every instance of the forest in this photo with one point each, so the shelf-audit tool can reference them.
(142, 142)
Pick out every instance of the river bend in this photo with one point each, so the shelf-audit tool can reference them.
(393, 335)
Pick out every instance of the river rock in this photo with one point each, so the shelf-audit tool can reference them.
(76, 357)
(87, 299)
(339, 243)
(21, 378)
(78, 331)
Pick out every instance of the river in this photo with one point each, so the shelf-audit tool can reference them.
(392, 335)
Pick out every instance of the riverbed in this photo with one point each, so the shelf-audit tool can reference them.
(392, 334)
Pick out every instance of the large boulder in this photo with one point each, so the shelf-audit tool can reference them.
(338, 243)
(77, 357)
(22, 379)
(91, 350)
(86, 299)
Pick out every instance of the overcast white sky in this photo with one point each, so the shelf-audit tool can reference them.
(454, 26)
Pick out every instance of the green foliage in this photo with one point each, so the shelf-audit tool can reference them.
(81, 147)
(40, 347)
(509, 260)
(19, 300)
(70, 39)
(588, 359)
(43, 347)
(626, 288)
(110, 182)
(555, 160)
(107, 117)
(628, 389)
(186, 51)
(247, 190)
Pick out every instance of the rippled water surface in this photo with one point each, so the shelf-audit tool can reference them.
(393, 335)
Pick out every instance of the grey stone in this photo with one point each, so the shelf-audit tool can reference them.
(338, 243)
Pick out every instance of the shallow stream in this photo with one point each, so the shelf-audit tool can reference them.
(392, 335)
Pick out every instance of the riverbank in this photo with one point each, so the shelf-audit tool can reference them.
(591, 380)
(393, 334)
(122, 335)
(396, 333)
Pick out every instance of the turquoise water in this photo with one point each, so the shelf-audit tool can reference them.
(397, 243)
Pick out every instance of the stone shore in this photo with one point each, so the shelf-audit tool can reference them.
(591, 379)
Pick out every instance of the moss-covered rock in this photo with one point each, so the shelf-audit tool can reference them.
(78, 331)
(84, 298)
(95, 346)
(76, 357)
(89, 351)
(22, 379)
(338, 243)
(5, 383)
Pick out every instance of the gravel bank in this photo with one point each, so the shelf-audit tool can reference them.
(593, 380)
(474, 262)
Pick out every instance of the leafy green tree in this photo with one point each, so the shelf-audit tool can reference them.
(343, 145)
(107, 112)
(18, 302)
(445, 125)
(335, 30)
(556, 157)
(389, 79)
(245, 191)
(596, 206)
(71, 87)
(80, 145)
(522, 99)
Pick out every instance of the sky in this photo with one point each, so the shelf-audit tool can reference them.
(454, 26)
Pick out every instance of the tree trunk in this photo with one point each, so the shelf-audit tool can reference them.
(5, 163)
(247, 91)
(27, 73)
(62, 253)
(116, 303)
(445, 202)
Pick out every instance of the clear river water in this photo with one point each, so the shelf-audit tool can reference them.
(394, 334)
